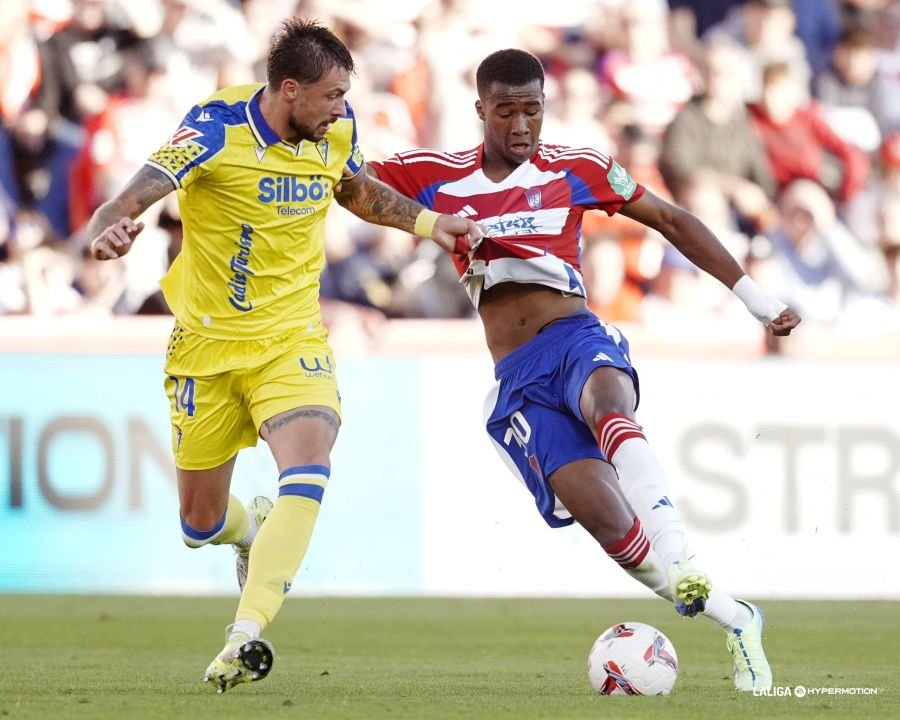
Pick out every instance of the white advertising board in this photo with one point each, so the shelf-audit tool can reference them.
(786, 473)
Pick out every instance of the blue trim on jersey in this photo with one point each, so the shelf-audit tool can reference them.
(218, 115)
(573, 279)
(351, 116)
(269, 136)
(305, 470)
(307, 490)
(581, 193)
(355, 161)
(202, 535)
(427, 194)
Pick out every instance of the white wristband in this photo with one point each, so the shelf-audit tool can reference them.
(761, 305)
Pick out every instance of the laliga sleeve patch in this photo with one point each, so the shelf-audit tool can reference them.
(620, 181)
(184, 135)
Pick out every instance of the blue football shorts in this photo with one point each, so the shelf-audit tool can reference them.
(533, 414)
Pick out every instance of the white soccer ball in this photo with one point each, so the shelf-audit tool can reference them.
(632, 658)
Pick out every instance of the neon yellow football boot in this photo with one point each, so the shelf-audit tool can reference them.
(690, 586)
(751, 669)
(242, 660)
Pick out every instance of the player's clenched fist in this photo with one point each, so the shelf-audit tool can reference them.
(456, 235)
(116, 240)
(786, 321)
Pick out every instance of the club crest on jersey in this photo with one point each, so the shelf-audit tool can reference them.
(322, 147)
(533, 195)
(184, 135)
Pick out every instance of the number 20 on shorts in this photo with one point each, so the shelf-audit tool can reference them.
(518, 430)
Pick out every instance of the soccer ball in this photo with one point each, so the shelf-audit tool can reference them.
(632, 658)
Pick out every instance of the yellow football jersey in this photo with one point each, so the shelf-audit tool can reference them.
(253, 209)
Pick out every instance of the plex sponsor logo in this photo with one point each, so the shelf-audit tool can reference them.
(511, 225)
(288, 190)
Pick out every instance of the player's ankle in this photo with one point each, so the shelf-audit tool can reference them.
(250, 628)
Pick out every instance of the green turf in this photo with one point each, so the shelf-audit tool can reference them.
(133, 658)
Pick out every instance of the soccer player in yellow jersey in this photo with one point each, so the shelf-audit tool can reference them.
(255, 168)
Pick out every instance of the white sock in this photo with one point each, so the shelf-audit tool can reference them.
(245, 627)
(726, 612)
(644, 484)
(252, 528)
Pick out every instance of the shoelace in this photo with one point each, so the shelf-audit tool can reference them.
(752, 653)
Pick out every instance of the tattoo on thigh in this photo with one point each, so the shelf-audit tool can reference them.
(328, 417)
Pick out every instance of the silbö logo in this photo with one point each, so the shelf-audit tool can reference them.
(286, 190)
(240, 269)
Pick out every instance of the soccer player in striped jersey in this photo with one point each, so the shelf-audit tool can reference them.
(562, 415)
(255, 167)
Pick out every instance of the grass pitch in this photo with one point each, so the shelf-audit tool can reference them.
(134, 658)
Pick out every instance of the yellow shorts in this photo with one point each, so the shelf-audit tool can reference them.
(222, 391)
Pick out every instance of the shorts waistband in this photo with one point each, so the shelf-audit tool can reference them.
(551, 334)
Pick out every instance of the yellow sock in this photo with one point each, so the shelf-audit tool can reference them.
(236, 521)
(275, 557)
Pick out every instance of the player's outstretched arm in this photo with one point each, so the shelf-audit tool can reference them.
(112, 228)
(698, 244)
(374, 201)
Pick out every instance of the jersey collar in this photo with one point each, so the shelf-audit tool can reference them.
(261, 130)
(530, 161)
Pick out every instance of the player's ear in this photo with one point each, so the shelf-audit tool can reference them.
(289, 89)
(479, 108)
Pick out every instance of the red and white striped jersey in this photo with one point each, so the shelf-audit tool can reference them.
(532, 218)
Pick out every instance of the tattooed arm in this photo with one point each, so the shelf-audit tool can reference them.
(370, 199)
(112, 228)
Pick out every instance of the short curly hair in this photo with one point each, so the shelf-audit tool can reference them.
(509, 67)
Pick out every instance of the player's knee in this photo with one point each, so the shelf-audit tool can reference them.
(609, 391)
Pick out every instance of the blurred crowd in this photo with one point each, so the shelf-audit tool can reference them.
(777, 122)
